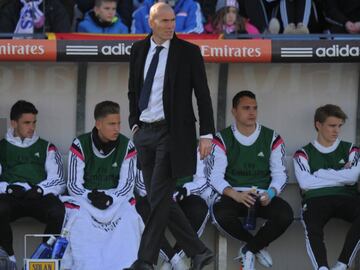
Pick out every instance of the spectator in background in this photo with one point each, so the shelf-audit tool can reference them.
(103, 19)
(188, 17)
(31, 177)
(301, 17)
(295, 16)
(262, 14)
(228, 20)
(124, 9)
(208, 9)
(343, 16)
(31, 16)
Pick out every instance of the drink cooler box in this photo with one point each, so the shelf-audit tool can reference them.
(39, 264)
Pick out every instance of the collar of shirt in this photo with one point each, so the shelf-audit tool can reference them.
(153, 45)
(324, 149)
(246, 140)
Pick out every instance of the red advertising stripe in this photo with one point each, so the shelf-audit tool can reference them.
(228, 51)
(27, 50)
(87, 36)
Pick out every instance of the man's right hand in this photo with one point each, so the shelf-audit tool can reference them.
(16, 191)
(179, 194)
(100, 199)
(248, 198)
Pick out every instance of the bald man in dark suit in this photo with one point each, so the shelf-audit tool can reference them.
(164, 73)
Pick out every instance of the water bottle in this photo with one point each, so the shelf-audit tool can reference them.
(60, 245)
(250, 219)
(44, 250)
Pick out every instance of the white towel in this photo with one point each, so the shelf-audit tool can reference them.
(101, 239)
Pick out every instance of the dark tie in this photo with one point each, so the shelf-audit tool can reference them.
(149, 79)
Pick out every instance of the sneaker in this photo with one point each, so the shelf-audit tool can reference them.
(290, 29)
(323, 268)
(178, 263)
(274, 26)
(301, 29)
(264, 258)
(166, 266)
(247, 259)
(339, 266)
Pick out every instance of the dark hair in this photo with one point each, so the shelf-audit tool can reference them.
(323, 112)
(241, 94)
(99, 2)
(105, 108)
(219, 22)
(21, 107)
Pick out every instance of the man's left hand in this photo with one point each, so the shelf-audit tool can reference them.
(204, 147)
(264, 199)
(34, 193)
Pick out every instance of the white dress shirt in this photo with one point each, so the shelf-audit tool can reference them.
(155, 110)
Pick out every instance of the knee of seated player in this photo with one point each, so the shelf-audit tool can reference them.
(5, 211)
(222, 216)
(56, 213)
(314, 229)
(285, 217)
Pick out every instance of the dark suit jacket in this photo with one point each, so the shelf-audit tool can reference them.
(184, 73)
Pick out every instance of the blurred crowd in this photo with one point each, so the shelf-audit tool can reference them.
(192, 16)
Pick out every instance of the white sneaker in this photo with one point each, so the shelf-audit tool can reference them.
(178, 262)
(290, 29)
(166, 266)
(339, 266)
(264, 258)
(274, 26)
(302, 29)
(248, 260)
(323, 268)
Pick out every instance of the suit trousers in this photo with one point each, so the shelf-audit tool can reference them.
(194, 208)
(153, 146)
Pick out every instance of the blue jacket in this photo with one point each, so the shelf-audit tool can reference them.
(91, 24)
(188, 17)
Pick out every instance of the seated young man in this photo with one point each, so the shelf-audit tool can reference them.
(105, 229)
(31, 176)
(193, 195)
(247, 154)
(327, 170)
(103, 19)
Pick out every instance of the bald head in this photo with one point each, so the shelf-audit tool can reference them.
(159, 8)
(162, 22)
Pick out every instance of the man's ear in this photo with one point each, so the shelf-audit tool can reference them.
(96, 10)
(233, 111)
(98, 124)
(13, 124)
